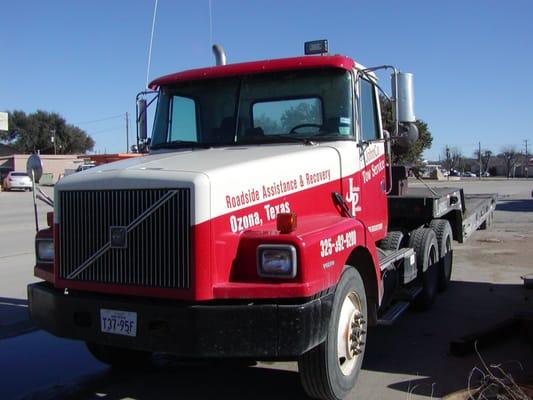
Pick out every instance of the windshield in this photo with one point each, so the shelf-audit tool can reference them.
(20, 174)
(282, 107)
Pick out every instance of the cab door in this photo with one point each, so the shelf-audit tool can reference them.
(374, 213)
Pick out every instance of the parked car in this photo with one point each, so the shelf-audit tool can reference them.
(454, 172)
(469, 174)
(17, 180)
(85, 167)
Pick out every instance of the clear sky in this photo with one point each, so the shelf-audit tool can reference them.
(87, 60)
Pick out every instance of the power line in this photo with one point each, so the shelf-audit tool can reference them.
(109, 129)
(97, 120)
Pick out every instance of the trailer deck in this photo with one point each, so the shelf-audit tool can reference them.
(419, 205)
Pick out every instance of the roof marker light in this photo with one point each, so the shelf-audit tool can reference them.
(316, 47)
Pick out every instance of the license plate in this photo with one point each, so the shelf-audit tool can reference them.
(118, 322)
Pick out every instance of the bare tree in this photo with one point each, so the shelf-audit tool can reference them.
(510, 155)
(486, 155)
(452, 157)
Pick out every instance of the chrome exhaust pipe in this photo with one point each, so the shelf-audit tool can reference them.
(220, 55)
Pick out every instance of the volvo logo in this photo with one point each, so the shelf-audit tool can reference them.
(118, 237)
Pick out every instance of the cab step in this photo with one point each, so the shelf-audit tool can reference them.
(393, 313)
(408, 294)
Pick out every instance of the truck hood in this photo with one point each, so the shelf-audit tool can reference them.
(222, 180)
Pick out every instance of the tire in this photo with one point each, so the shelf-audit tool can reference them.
(392, 241)
(329, 371)
(424, 242)
(443, 231)
(119, 357)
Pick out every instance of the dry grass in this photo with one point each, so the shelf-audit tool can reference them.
(492, 382)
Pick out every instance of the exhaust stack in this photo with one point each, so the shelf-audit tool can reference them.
(220, 55)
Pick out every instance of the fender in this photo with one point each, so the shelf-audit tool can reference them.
(323, 243)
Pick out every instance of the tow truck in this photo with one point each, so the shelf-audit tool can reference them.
(266, 222)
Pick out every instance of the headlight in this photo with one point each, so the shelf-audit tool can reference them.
(45, 250)
(276, 261)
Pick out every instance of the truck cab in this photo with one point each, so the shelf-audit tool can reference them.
(257, 226)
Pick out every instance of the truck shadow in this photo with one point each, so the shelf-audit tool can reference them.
(14, 318)
(415, 351)
(170, 380)
(525, 205)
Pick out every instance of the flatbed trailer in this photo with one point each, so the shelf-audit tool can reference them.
(450, 214)
(465, 212)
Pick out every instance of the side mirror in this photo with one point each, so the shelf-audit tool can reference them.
(142, 130)
(34, 167)
(407, 136)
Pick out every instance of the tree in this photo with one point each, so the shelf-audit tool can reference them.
(452, 157)
(303, 113)
(267, 124)
(413, 155)
(486, 155)
(510, 156)
(37, 132)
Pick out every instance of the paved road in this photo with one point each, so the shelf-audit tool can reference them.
(410, 357)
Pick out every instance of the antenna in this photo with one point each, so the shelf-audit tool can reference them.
(151, 41)
(210, 23)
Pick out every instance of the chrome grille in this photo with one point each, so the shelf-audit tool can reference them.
(156, 246)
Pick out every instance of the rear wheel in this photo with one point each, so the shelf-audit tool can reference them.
(443, 230)
(424, 242)
(329, 371)
(393, 241)
(119, 357)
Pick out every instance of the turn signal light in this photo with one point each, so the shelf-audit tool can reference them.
(50, 219)
(286, 222)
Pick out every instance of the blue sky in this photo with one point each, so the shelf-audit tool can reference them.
(87, 60)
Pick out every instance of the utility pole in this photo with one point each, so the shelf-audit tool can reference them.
(527, 161)
(480, 161)
(448, 162)
(127, 134)
(54, 141)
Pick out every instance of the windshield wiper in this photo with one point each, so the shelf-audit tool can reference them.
(285, 138)
(180, 143)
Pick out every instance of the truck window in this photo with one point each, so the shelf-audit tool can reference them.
(182, 119)
(368, 114)
(276, 117)
(244, 109)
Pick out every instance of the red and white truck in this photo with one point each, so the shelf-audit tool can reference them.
(266, 223)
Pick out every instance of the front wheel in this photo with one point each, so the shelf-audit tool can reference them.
(329, 371)
(119, 357)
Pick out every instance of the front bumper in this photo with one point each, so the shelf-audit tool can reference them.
(192, 330)
(18, 185)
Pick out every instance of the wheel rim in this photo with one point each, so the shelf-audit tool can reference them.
(350, 334)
